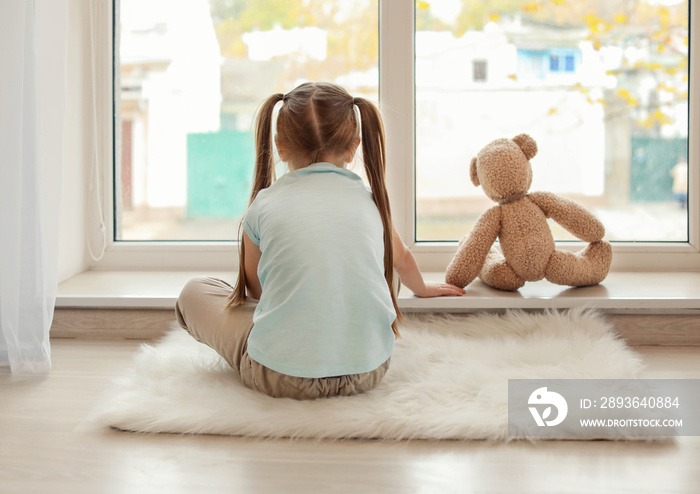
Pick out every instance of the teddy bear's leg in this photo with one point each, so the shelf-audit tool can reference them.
(589, 266)
(497, 273)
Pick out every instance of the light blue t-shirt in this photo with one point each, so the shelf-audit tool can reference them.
(325, 308)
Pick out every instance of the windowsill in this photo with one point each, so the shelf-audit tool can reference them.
(621, 292)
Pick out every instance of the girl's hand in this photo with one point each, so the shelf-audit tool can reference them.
(407, 269)
(434, 289)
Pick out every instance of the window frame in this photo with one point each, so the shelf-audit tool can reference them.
(397, 103)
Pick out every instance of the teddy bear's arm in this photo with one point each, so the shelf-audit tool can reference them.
(473, 249)
(569, 214)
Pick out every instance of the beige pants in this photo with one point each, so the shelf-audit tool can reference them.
(200, 311)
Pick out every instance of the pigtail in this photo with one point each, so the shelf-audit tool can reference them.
(374, 155)
(263, 177)
(264, 159)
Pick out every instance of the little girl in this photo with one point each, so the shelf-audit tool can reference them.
(314, 306)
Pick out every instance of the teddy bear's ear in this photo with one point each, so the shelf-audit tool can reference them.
(527, 144)
(472, 173)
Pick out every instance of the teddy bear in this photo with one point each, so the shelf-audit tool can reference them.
(519, 221)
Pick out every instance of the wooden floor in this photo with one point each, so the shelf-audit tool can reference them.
(48, 445)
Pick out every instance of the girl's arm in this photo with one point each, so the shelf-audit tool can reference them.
(407, 269)
(252, 257)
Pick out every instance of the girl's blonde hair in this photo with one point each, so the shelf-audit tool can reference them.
(317, 119)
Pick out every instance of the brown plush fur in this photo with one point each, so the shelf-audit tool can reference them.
(519, 221)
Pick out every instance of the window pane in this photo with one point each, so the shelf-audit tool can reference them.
(601, 85)
(191, 76)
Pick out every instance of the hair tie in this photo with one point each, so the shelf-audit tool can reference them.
(355, 101)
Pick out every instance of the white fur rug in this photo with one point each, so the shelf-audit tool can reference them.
(448, 380)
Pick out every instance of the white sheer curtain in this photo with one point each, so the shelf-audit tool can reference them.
(32, 107)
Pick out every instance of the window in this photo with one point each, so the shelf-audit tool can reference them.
(601, 86)
(192, 75)
(569, 63)
(554, 63)
(563, 60)
(479, 70)
(608, 107)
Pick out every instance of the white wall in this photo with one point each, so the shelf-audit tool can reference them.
(72, 248)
